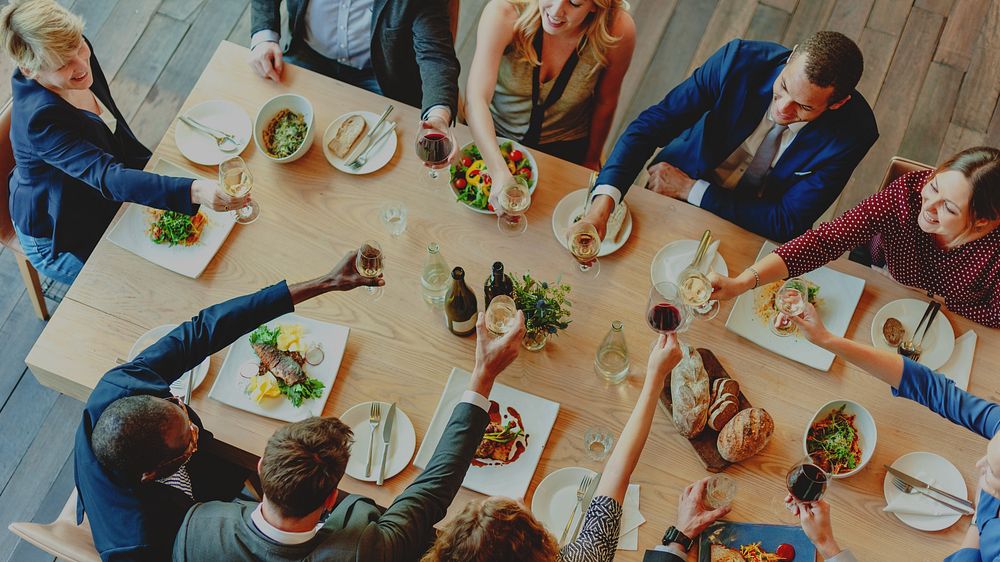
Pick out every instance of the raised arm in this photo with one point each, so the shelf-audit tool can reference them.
(609, 87)
(436, 58)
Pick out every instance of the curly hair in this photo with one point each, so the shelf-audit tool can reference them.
(834, 60)
(494, 530)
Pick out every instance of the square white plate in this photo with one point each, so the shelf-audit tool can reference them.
(511, 480)
(230, 387)
(130, 233)
(839, 294)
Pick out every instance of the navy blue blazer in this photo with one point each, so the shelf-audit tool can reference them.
(709, 115)
(72, 173)
(133, 521)
(661, 556)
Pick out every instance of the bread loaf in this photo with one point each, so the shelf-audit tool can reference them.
(722, 410)
(745, 435)
(691, 395)
(347, 136)
(725, 385)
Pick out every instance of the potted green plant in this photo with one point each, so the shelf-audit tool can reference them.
(545, 306)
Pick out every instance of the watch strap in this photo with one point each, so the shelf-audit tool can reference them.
(674, 535)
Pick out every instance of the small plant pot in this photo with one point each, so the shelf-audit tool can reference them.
(535, 340)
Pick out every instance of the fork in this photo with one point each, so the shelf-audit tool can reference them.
(362, 159)
(581, 491)
(907, 489)
(374, 416)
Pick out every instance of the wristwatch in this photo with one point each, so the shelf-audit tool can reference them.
(673, 535)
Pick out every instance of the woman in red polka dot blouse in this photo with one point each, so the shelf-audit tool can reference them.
(934, 230)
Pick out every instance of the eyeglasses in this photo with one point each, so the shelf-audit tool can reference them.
(192, 447)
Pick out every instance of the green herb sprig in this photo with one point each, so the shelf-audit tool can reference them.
(545, 305)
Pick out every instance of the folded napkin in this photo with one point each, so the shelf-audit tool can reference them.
(917, 503)
(631, 519)
(675, 264)
(959, 365)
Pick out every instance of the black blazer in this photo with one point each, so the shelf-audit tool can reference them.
(412, 51)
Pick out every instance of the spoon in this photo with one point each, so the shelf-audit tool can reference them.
(225, 141)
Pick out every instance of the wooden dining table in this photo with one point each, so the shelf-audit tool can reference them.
(400, 350)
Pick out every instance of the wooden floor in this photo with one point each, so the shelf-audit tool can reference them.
(931, 74)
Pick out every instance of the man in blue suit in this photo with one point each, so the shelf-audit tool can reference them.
(760, 135)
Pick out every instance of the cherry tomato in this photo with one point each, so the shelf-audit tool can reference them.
(466, 161)
(786, 552)
(489, 206)
(473, 173)
(516, 155)
(460, 183)
(487, 179)
(526, 172)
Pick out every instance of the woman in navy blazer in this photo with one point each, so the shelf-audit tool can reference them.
(76, 158)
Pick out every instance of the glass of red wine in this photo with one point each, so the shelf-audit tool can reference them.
(435, 147)
(806, 482)
(666, 312)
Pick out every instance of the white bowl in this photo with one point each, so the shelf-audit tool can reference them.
(294, 102)
(863, 421)
(500, 140)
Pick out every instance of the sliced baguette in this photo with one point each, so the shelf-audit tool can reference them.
(347, 135)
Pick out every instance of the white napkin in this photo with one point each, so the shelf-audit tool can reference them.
(959, 365)
(631, 519)
(675, 264)
(917, 503)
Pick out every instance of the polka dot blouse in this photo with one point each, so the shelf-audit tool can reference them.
(966, 276)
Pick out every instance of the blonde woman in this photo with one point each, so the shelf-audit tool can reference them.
(547, 73)
(76, 159)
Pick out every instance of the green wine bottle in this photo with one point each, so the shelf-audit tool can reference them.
(460, 305)
(498, 283)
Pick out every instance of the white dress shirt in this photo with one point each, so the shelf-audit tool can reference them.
(106, 116)
(340, 30)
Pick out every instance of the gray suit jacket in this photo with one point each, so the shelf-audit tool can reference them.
(412, 51)
(357, 530)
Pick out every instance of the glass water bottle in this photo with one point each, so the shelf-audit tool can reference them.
(611, 362)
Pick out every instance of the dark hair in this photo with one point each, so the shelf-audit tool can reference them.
(303, 463)
(128, 438)
(494, 530)
(833, 60)
(981, 166)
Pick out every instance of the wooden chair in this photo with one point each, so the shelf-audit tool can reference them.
(899, 166)
(62, 538)
(8, 238)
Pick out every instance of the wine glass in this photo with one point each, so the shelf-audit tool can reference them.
(720, 491)
(514, 199)
(806, 482)
(435, 147)
(369, 264)
(584, 243)
(666, 311)
(696, 290)
(501, 315)
(790, 300)
(236, 180)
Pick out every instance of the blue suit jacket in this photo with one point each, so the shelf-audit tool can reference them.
(706, 117)
(72, 173)
(138, 521)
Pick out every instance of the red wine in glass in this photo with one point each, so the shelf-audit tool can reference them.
(807, 482)
(434, 148)
(664, 318)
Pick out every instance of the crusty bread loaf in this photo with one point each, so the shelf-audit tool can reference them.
(347, 135)
(722, 410)
(745, 435)
(723, 554)
(691, 395)
(725, 385)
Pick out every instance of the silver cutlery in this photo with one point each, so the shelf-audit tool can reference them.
(589, 497)
(920, 486)
(390, 418)
(581, 491)
(225, 141)
(366, 142)
(190, 387)
(911, 347)
(374, 416)
(907, 489)
(362, 159)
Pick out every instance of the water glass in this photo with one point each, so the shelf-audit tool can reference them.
(720, 491)
(393, 215)
(598, 442)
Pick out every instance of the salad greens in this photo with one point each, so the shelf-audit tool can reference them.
(833, 443)
(175, 228)
(265, 336)
(285, 133)
(296, 393)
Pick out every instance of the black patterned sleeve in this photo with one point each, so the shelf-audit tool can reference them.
(598, 538)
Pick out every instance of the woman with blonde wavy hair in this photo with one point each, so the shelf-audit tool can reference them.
(547, 73)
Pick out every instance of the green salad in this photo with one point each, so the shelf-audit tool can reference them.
(285, 133)
(175, 229)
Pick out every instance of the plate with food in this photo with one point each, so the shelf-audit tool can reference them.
(841, 438)
(283, 369)
(570, 209)
(222, 115)
(938, 343)
(402, 442)
(471, 181)
(834, 294)
(726, 541)
(178, 242)
(179, 386)
(917, 510)
(512, 444)
(347, 136)
(672, 259)
(284, 128)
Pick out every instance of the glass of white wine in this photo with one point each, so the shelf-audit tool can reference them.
(369, 264)
(584, 243)
(501, 315)
(790, 300)
(514, 199)
(236, 180)
(696, 291)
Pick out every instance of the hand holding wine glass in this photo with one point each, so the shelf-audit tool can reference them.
(693, 515)
(790, 300)
(368, 264)
(501, 315)
(584, 243)
(236, 181)
(435, 145)
(345, 276)
(494, 354)
(513, 200)
(666, 312)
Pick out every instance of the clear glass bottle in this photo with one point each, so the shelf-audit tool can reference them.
(436, 276)
(612, 362)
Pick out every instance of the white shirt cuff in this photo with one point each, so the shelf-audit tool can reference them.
(609, 190)
(673, 550)
(697, 192)
(263, 36)
(476, 399)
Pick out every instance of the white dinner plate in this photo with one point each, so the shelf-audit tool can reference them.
(377, 158)
(939, 341)
(927, 466)
(511, 480)
(401, 445)
(570, 207)
(131, 233)
(179, 387)
(230, 386)
(555, 498)
(222, 115)
(839, 294)
(676, 256)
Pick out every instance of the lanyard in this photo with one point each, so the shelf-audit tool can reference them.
(538, 107)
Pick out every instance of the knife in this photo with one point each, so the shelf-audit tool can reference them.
(386, 436)
(920, 485)
(367, 140)
(585, 506)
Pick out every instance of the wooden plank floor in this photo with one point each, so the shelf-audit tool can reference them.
(930, 74)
